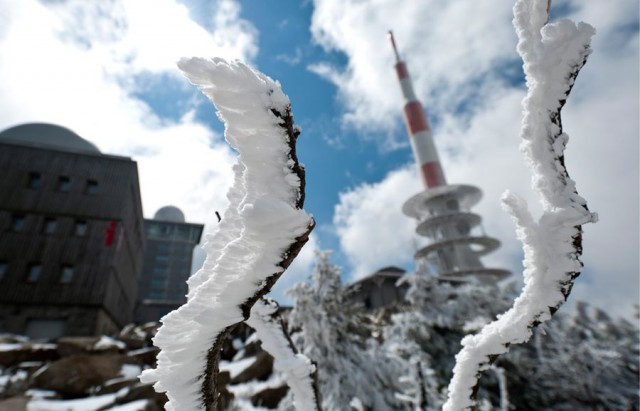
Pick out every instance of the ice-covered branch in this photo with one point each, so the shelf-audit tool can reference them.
(552, 54)
(298, 369)
(262, 231)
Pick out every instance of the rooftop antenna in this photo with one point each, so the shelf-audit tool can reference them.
(393, 44)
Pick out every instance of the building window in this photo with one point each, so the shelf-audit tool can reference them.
(66, 274)
(64, 184)
(163, 247)
(35, 181)
(80, 228)
(34, 271)
(47, 328)
(91, 187)
(158, 283)
(18, 222)
(50, 225)
(3, 269)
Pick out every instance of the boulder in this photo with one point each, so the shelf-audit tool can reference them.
(138, 336)
(270, 397)
(78, 374)
(14, 353)
(146, 356)
(141, 391)
(68, 346)
(116, 384)
(260, 369)
(14, 404)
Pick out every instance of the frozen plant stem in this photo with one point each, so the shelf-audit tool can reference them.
(553, 54)
(298, 369)
(262, 231)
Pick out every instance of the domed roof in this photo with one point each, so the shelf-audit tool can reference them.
(48, 136)
(169, 213)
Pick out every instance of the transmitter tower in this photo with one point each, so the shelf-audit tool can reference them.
(455, 238)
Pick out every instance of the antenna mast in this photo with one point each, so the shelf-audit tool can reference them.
(442, 210)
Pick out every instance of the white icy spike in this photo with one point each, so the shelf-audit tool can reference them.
(262, 221)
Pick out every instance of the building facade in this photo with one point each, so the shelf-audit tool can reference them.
(380, 289)
(72, 242)
(167, 263)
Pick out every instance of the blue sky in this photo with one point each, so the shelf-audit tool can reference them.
(107, 71)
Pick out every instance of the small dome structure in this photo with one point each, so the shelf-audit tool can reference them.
(169, 213)
(47, 136)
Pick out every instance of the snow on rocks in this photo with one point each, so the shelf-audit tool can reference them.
(260, 233)
(552, 54)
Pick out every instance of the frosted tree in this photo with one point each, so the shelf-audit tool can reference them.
(585, 360)
(553, 54)
(425, 336)
(330, 330)
(260, 234)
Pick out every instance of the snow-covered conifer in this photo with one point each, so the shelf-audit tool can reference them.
(330, 330)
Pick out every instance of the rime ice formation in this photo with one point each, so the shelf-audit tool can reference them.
(552, 55)
(262, 222)
(296, 367)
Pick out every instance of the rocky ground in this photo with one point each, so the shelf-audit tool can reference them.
(101, 373)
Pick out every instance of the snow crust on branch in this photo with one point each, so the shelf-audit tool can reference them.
(264, 219)
(552, 55)
(296, 367)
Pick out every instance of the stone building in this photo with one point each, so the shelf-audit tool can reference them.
(167, 263)
(380, 289)
(71, 242)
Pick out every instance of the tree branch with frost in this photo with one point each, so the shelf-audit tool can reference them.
(553, 55)
(262, 231)
(299, 371)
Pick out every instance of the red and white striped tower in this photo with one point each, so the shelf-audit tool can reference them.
(456, 241)
(424, 150)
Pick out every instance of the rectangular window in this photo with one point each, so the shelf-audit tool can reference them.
(47, 328)
(91, 187)
(162, 258)
(3, 269)
(50, 225)
(35, 181)
(158, 283)
(66, 274)
(18, 222)
(163, 247)
(80, 228)
(64, 184)
(34, 271)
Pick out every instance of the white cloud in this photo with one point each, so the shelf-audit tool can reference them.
(151, 35)
(449, 46)
(457, 52)
(299, 271)
(372, 230)
(75, 63)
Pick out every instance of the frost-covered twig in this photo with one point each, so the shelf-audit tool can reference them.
(553, 54)
(298, 369)
(262, 231)
(502, 385)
